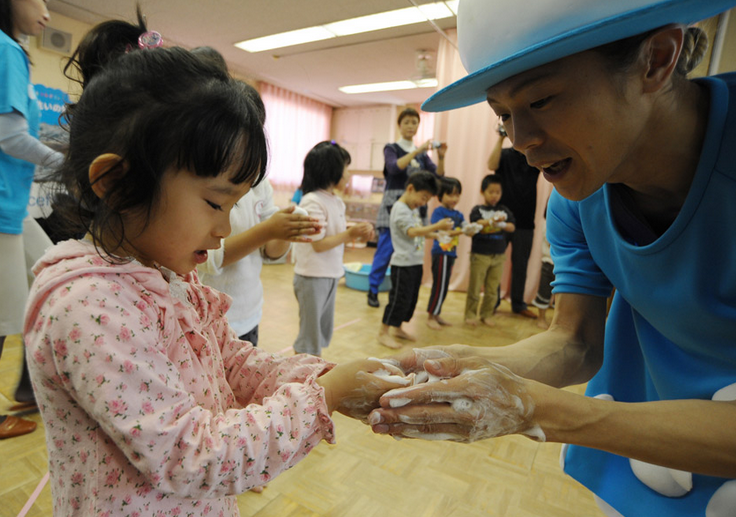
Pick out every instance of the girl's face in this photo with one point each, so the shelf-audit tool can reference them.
(492, 194)
(449, 201)
(191, 217)
(343, 183)
(575, 121)
(408, 127)
(29, 17)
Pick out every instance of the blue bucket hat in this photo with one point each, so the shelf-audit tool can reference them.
(498, 39)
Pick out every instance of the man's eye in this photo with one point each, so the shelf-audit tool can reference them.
(540, 103)
(215, 206)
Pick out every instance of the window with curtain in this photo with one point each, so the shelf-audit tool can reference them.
(294, 124)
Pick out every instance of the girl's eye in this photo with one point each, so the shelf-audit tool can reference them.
(215, 206)
(540, 103)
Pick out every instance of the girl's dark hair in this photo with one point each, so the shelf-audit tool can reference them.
(212, 54)
(424, 180)
(449, 186)
(101, 45)
(158, 109)
(488, 180)
(6, 22)
(6, 19)
(324, 166)
(408, 112)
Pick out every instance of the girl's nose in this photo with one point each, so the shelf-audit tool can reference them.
(223, 228)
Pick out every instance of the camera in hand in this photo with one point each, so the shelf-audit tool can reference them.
(436, 144)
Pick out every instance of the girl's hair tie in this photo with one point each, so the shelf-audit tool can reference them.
(150, 39)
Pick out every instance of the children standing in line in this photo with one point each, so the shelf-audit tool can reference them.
(408, 237)
(152, 405)
(318, 266)
(444, 249)
(488, 252)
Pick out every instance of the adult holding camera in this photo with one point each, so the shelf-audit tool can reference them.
(519, 183)
(596, 95)
(401, 160)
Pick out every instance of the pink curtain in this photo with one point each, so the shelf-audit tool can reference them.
(470, 134)
(294, 124)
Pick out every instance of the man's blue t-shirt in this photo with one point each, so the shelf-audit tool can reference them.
(16, 94)
(671, 331)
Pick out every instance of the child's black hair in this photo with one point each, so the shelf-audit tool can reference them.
(324, 166)
(158, 109)
(424, 180)
(102, 44)
(489, 179)
(449, 186)
(408, 112)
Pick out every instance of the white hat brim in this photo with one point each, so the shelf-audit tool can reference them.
(472, 88)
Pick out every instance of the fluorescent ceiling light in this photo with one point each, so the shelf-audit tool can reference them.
(286, 39)
(372, 22)
(389, 86)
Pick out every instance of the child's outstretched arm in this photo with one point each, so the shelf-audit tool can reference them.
(358, 232)
(275, 233)
(354, 388)
(422, 231)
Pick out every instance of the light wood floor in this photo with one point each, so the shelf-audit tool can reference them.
(363, 475)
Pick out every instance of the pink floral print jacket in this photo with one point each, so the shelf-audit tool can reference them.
(152, 406)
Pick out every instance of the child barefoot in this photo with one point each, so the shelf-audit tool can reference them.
(408, 237)
(151, 403)
(444, 249)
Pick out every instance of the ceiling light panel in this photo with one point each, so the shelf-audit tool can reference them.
(361, 24)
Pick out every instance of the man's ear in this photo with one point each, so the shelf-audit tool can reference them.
(662, 52)
(105, 170)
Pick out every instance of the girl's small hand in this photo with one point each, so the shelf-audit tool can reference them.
(285, 225)
(354, 388)
(361, 231)
(473, 399)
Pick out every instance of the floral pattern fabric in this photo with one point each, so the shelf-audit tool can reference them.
(152, 406)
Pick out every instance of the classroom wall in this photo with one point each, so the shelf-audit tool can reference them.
(48, 65)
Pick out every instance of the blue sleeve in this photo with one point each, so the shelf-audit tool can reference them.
(575, 269)
(14, 80)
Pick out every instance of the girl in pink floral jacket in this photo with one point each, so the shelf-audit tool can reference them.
(152, 406)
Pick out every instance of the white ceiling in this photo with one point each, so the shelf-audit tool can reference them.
(315, 69)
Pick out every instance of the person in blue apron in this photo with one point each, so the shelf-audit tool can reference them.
(643, 163)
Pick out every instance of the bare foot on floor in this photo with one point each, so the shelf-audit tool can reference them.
(443, 322)
(258, 489)
(388, 341)
(402, 334)
(471, 323)
(542, 324)
(488, 322)
(434, 324)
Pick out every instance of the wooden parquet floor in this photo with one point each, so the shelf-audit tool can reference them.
(363, 475)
